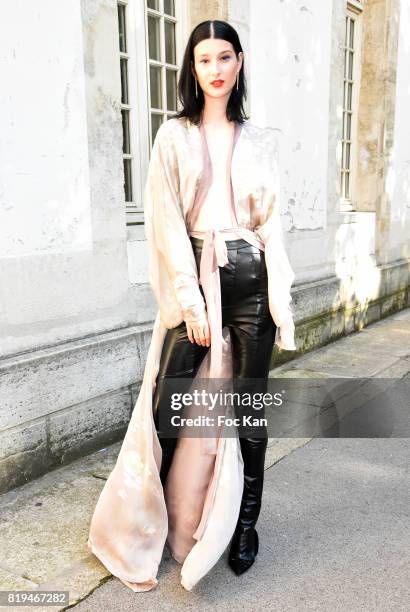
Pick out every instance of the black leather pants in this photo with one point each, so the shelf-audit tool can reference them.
(245, 310)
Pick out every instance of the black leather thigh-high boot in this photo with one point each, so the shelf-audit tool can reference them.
(245, 541)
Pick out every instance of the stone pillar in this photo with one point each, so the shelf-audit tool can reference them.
(201, 10)
(376, 113)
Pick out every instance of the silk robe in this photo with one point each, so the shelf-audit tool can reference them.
(197, 510)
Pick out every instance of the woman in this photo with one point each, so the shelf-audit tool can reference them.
(222, 281)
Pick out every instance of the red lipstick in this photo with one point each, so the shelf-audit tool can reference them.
(217, 83)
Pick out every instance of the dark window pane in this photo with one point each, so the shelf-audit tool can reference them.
(350, 64)
(155, 86)
(347, 194)
(153, 4)
(349, 96)
(171, 90)
(121, 27)
(351, 34)
(124, 80)
(169, 7)
(156, 121)
(347, 155)
(348, 125)
(127, 180)
(126, 144)
(169, 42)
(153, 38)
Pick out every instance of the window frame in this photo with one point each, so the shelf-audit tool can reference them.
(354, 11)
(138, 93)
(135, 105)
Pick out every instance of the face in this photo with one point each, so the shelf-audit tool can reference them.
(216, 66)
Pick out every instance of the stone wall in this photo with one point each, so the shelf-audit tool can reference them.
(71, 355)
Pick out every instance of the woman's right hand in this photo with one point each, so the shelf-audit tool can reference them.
(199, 332)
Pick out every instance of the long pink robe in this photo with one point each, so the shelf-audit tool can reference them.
(198, 508)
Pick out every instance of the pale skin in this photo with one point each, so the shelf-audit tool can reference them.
(214, 58)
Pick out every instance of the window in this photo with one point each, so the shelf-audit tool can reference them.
(125, 105)
(162, 62)
(351, 85)
(151, 41)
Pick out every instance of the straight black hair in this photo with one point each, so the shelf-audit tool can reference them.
(192, 105)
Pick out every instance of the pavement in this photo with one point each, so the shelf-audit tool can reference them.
(334, 528)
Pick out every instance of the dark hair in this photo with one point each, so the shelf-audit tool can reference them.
(192, 105)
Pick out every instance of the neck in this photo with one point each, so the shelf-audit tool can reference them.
(214, 111)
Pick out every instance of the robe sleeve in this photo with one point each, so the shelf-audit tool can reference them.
(173, 271)
(280, 273)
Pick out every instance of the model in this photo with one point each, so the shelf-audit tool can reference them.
(222, 280)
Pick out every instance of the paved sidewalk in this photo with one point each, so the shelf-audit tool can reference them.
(334, 528)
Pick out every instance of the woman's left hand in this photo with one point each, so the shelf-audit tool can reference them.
(199, 333)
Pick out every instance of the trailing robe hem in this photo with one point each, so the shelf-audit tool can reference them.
(197, 510)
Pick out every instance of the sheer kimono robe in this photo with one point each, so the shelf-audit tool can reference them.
(197, 510)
